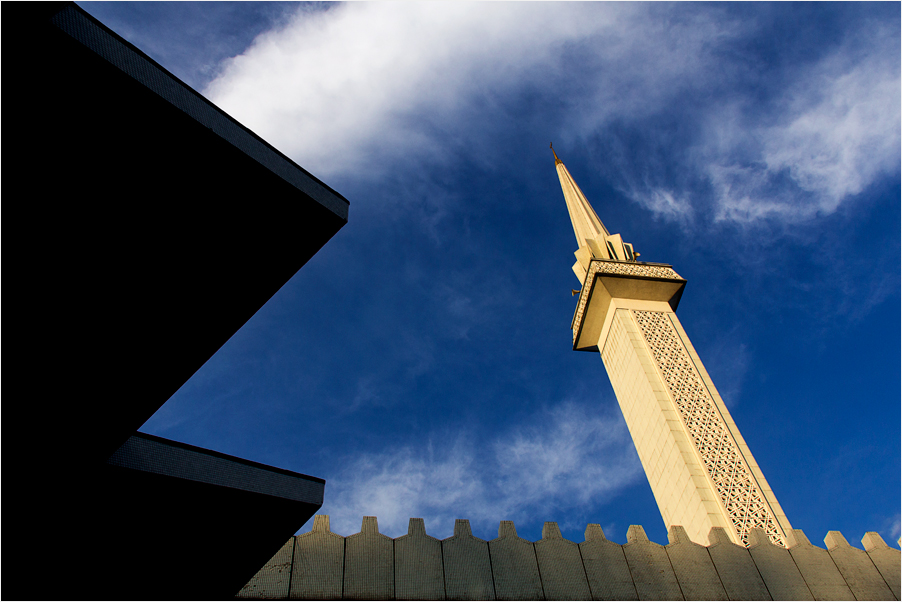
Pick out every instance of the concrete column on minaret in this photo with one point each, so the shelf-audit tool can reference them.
(701, 471)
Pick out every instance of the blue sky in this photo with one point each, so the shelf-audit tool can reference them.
(421, 362)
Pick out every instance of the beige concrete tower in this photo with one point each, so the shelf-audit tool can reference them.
(700, 469)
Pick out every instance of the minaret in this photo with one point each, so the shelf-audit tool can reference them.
(700, 469)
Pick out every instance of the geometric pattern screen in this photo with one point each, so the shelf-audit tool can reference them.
(743, 500)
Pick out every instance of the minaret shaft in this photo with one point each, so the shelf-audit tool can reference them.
(699, 467)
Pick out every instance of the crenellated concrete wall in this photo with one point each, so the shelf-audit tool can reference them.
(321, 565)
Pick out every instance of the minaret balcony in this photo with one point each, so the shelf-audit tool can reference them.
(611, 283)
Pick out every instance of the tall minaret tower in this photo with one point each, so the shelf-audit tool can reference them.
(700, 469)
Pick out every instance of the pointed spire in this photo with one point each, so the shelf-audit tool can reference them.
(593, 239)
(586, 224)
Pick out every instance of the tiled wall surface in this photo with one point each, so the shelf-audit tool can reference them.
(699, 467)
(321, 565)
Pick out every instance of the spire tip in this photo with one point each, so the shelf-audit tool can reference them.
(556, 160)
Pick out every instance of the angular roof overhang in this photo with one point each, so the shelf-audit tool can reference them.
(150, 226)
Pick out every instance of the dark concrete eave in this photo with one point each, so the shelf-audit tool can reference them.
(152, 454)
(203, 522)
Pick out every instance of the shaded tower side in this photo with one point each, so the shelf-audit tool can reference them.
(699, 467)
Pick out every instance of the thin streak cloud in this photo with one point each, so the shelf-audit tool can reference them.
(576, 458)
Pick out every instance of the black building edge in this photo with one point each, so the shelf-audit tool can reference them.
(144, 227)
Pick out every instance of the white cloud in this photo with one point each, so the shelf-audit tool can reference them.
(579, 457)
(840, 132)
(366, 88)
(891, 527)
(664, 203)
(340, 88)
(838, 144)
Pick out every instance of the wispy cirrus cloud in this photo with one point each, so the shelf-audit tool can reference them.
(838, 132)
(891, 526)
(577, 457)
(800, 150)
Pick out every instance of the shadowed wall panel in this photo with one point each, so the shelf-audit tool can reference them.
(777, 569)
(885, 558)
(468, 570)
(318, 563)
(418, 565)
(514, 566)
(606, 568)
(560, 566)
(735, 567)
(369, 564)
(818, 570)
(856, 567)
(650, 567)
(693, 567)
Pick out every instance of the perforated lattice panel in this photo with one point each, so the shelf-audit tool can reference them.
(740, 494)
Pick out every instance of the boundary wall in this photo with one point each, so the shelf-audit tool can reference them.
(321, 565)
